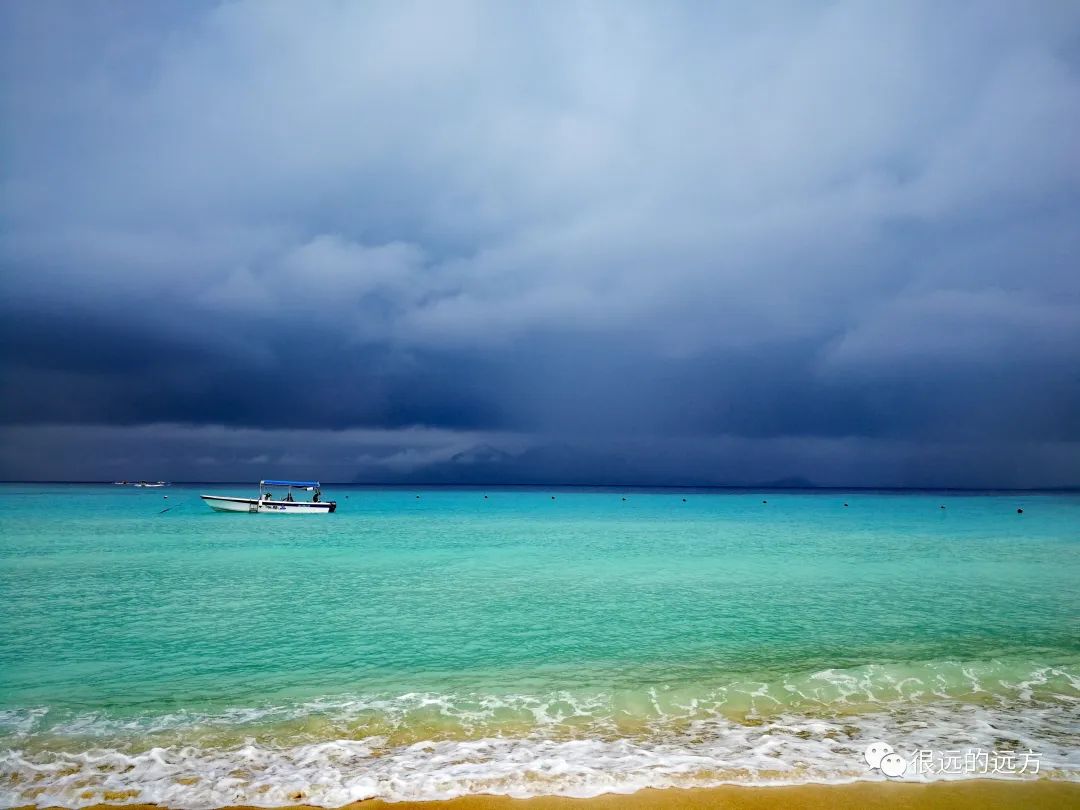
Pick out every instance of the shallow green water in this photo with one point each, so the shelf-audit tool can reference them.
(587, 619)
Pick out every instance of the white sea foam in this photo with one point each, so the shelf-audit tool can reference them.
(785, 749)
(21, 721)
(796, 728)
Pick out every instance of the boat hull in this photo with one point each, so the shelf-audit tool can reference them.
(253, 506)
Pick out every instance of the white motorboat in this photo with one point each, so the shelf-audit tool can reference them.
(151, 484)
(267, 503)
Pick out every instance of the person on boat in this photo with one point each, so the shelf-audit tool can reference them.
(289, 497)
(315, 497)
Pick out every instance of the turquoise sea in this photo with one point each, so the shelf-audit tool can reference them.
(432, 643)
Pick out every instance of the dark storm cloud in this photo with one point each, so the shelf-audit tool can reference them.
(615, 232)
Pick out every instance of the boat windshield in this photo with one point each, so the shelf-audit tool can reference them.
(267, 489)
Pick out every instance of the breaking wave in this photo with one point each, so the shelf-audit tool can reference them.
(808, 727)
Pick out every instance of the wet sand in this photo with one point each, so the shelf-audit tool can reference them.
(966, 795)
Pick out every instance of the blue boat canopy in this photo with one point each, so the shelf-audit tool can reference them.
(289, 484)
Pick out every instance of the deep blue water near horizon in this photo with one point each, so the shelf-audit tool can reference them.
(604, 639)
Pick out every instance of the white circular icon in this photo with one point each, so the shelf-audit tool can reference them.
(893, 765)
(875, 751)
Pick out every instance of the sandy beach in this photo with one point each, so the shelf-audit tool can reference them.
(967, 795)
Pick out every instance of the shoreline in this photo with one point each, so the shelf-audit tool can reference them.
(966, 794)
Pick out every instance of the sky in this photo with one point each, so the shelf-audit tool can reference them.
(590, 243)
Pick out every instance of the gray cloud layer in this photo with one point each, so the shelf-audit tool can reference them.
(613, 229)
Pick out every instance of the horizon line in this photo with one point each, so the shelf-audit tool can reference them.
(1074, 488)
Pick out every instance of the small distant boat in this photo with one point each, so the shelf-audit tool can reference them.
(151, 484)
(267, 503)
